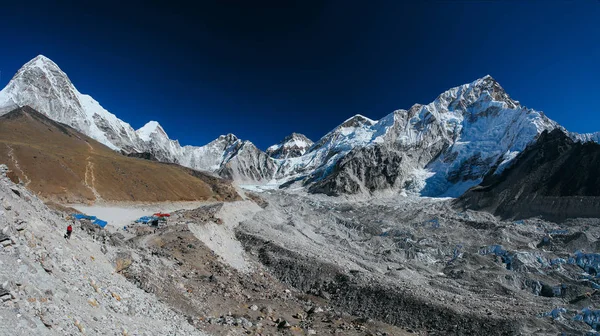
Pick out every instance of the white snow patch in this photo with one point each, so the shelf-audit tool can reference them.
(508, 158)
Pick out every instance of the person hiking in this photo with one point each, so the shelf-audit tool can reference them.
(69, 231)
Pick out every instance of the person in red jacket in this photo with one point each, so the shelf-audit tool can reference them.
(69, 231)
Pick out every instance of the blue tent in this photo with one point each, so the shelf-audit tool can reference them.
(94, 219)
(145, 219)
(82, 216)
(100, 223)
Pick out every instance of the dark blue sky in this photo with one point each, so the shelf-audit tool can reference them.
(262, 70)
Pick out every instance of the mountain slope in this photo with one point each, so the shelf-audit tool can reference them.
(61, 164)
(70, 287)
(555, 177)
(41, 84)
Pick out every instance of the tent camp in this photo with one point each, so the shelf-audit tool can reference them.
(92, 219)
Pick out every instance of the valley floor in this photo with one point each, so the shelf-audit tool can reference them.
(294, 264)
(120, 214)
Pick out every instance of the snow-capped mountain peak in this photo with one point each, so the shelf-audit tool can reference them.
(41, 77)
(441, 148)
(293, 145)
(151, 127)
(357, 120)
(45, 64)
(41, 84)
(229, 138)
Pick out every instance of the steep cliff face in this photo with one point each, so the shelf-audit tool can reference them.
(248, 164)
(555, 177)
(363, 170)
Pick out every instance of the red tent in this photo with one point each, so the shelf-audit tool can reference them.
(159, 214)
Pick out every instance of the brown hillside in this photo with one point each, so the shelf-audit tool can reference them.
(63, 165)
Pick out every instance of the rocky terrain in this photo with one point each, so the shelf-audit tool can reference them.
(158, 281)
(60, 164)
(295, 263)
(418, 263)
(53, 286)
(224, 295)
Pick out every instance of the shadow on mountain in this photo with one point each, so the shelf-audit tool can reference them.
(555, 178)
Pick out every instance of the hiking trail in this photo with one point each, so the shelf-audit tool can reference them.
(11, 155)
(90, 178)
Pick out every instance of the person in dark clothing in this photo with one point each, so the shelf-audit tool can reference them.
(69, 231)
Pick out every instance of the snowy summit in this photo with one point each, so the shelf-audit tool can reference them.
(293, 145)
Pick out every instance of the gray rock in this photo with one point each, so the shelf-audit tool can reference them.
(267, 310)
(283, 324)
(245, 323)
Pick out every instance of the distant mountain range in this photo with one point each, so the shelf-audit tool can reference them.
(439, 149)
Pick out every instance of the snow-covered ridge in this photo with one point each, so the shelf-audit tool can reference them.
(41, 84)
(445, 146)
(585, 137)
